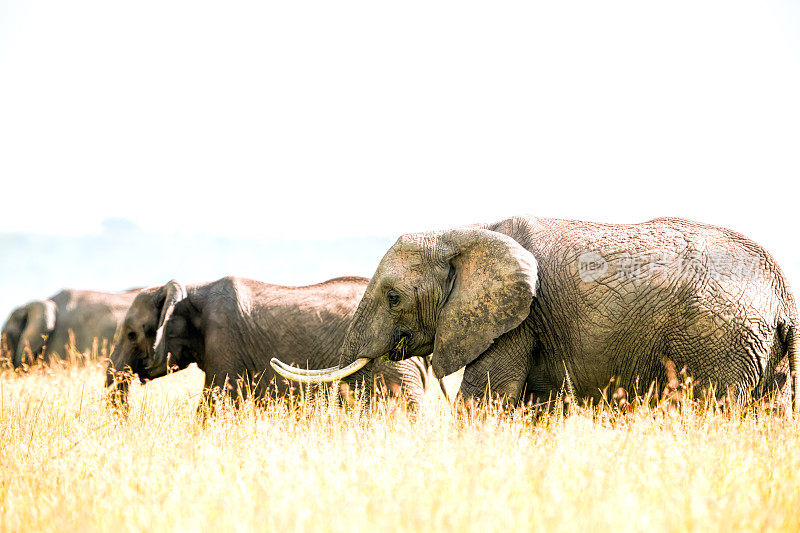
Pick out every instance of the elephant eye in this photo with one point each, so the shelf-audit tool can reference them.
(132, 336)
(393, 298)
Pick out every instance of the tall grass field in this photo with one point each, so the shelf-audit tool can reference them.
(67, 463)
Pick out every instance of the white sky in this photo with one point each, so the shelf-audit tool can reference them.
(328, 118)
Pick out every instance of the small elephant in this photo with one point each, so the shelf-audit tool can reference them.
(232, 327)
(527, 303)
(72, 319)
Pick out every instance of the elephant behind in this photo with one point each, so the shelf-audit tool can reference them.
(72, 319)
(526, 302)
(232, 327)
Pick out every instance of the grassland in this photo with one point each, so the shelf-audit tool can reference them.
(67, 463)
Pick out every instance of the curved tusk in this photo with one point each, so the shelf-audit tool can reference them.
(336, 375)
(302, 371)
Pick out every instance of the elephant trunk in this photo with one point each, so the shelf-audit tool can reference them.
(371, 334)
(358, 385)
(12, 331)
(40, 321)
(122, 365)
(8, 346)
(117, 396)
(110, 376)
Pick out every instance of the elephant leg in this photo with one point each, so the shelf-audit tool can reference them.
(539, 387)
(502, 370)
(727, 360)
(216, 387)
(57, 346)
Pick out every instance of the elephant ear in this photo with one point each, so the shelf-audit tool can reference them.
(39, 325)
(494, 281)
(166, 299)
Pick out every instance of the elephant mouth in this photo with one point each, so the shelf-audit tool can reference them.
(150, 373)
(154, 367)
(405, 348)
(400, 349)
(408, 344)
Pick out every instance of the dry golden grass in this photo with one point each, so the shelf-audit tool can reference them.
(66, 463)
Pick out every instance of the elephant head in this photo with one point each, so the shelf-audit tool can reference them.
(143, 338)
(27, 329)
(449, 293)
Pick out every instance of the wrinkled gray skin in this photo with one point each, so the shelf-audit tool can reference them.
(508, 302)
(232, 328)
(43, 328)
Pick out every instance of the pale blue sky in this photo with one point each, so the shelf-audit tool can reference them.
(322, 119)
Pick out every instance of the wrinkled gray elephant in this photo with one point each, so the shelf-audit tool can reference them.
(525, 302)
(232, 327)
(48, 328)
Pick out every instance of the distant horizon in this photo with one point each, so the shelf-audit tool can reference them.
(115, 225)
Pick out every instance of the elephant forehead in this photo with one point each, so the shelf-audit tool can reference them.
(428, 245)
(415, 241)
(404, 262)
(143, 309)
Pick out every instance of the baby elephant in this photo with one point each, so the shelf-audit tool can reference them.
(72, 319)
(232, 328)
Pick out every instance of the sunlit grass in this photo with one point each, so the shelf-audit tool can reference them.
(66, 463)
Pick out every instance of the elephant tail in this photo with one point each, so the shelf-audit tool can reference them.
(791, 337)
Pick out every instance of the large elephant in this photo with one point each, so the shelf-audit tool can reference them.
(526, 302)
(232, 327)
(72, 319)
